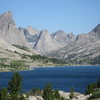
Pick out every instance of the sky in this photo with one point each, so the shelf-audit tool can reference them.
(77, 16)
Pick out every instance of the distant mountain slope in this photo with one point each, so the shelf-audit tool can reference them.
(61, 38)
(80, 49)
(84, 49)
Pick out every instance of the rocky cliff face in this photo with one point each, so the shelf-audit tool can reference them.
(9, 32)
(45, 43)
(83, 49)
(59, 44)
(91, 36)
(95, 33)
(62, 38)
(68, 47)
(32, 31)
(31, 35)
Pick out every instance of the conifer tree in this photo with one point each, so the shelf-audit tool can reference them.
(56, 94)
(48, 93)
(71, 93)
(14, 86)
(89, 89)
(4, 94)
(98, 83)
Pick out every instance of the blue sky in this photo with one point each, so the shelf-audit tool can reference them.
(77, 16)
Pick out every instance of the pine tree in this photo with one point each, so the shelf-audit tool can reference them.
(48, 93)
(89, 89)
(56, 94)
(14, 86)
(36, 91)
(62, 98)
(98, 83)
(4, 94)
(71, 93)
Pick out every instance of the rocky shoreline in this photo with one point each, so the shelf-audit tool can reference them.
(65, 95)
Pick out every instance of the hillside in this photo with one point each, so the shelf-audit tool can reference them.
(31, 47)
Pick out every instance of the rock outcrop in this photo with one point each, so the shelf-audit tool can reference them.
(9, 32)
(58, 45)
(61, 38)
(44, 43)
(31, 35)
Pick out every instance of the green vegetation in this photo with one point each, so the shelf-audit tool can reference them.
(24, 63)
(14, 65)
(83, 59)
(94, 89)
(43, 59)
(21, 47)
(18, 65)
(14, 86)
(96, 60)
(36, 91)
(13, 92)
(91, 87)
(95, 95)
(4, 94)
(2, 62)
(49, 94)
(56, 94)
(72, 95)
(95, 99)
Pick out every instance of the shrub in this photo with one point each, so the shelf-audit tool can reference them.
(36, 91)
(92, 87)
(95, 95)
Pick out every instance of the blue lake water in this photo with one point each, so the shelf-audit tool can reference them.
(62, 78)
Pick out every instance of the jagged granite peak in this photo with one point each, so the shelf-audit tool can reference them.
(59, 33)
(7, 14)
(44, 32)
(70, 37)
(89, 37)
(9, 32)
(85, 47)
(82, 37)
(44, 43)
(62, 38)
(96, 29)
(58, 44)
(32, 31)
(96, 32)
(6, 19)
(59, 36)
(31, 38)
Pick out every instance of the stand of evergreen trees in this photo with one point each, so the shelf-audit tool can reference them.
(14, 91)
(93, 89)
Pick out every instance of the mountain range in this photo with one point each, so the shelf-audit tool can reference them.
(80, 49)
